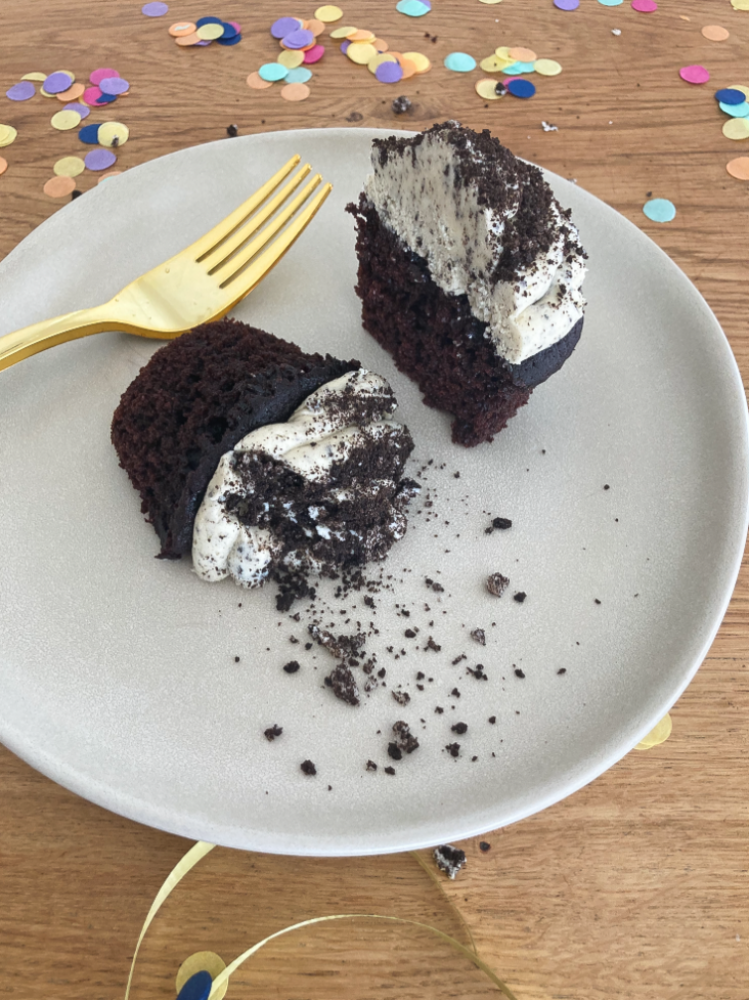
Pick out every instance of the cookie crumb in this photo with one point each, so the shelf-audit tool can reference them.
(449, 859)
(291, 667)
(479, 635)
(271, 733)
(520, 596)
(308, 767)
(497, 584)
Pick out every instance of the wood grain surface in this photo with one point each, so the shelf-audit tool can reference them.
(636, 886)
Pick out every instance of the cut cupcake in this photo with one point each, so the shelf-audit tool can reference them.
(261, 460)
(470, 273)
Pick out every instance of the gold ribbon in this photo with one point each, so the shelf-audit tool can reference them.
(201, 849)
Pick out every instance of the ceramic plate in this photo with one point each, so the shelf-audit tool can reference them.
(118, 671)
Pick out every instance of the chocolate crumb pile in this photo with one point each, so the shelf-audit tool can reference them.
(449, 859)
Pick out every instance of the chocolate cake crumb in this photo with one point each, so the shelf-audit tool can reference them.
(519, 673)
(402, 697)
(484, 846)
(497, 584)
(389, 770)
(271, 733)
(404, 738)
(401, 105)
(460, 728)
(449, 859)
(308, 767)
(371, 766)
(479, 635)
(344, 686)
(453, 749)
(520, 596)
(291, 667)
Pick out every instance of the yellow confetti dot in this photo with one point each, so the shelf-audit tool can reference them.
(493, 64)
(362, 35)
(63, 121)
(739, 168)
(44, 93)
(291, 58)
(69, 166)
(35, 77)
(740, 4)
(742, 87)
(328, 14)
(361, 52)
(490, 1)
(7, 135)
(715, 33)
(419, 60)
(58, 187)
(736, 128)
(3, 164)
(202, 961)
(522, 54)
(487, 89)
(547, 67)
(659, 734)
(343, 32)
(113, 134)
(295, 92)
(207, 32)
(381, 57)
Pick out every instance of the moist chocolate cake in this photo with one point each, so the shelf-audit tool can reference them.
(469, 273)
(257, 458)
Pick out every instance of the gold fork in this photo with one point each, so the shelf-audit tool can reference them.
(201, 283)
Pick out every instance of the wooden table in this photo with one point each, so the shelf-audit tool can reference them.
(635, 886)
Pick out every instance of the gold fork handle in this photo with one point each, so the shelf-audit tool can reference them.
(39, 336)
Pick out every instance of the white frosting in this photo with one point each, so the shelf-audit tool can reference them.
(317, 435)
(416, 196)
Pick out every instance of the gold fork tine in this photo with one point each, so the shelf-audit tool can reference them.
(213, 237)
(240, 235)
(228, 269)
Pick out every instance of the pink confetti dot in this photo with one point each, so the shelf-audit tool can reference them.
(91, 95)
(644, 6)
(102, 74)
(314, 54)
(694, 74)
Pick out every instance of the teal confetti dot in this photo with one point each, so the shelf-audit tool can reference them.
(299, 75)
(413, 8)
(460, 62)
(735, 110)
(271, 72)
(659, 210)
(610, 3)
(524, 67)
(516, 69)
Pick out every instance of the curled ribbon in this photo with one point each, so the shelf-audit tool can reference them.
(201, 849)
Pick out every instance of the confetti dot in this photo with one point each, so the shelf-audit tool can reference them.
(742, 87)
(362, 35)
(389, 72)
(298, 39)
(154, 9)
(379, 59)
(21, 91)
(659, 210)
(82, 110)
(740, 4)
(460, 62)
(295, 92)
(547, 67)
(69, 166)
(299, 75)
(91, 95)
(63, 121)
(694, 74)
(490, 2)
(100, 159)
(35, 77)
(315, 26)
(58, 187)
(57, 82)
(611, 3)
(409, 68)
(361, 52)
(209, 32)
(644, 6)
(314, 54)
(114, 85)
(735, 110)
(413, 8)
(186, 40)
(343, 32)
(7, 135)
(329, 13)
(730, 96)
(270, 72)
(521, 88)
(72, 93)
(89, 134)
(567, 4)
(659, 734)
(736, 128)
(492, 64)
(715, 33)
(256, 82)
(521, 54)
(419, 60)
(284, 26)
(487, 89)
(113, 134)
(107, 175)
(291, 58)
(182, 28)
(3, 164)
(103, 73)
(516, 68)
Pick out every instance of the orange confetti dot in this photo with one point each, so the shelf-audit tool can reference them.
(380, 44)
(58, 187)
(739, 168)
(715, 33)
(315, 26)
(519, 54)
(3, 164)
(361, 35)
(408, 67)
(191, 39)
(295, 92)
(182, 28)
(71, 94)
(256, 82)
(109, 173)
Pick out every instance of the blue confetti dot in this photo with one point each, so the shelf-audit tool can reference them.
(729, 96)
(659, 210)
(197, 987)
(231, 40)
(521, 88)
(460, 62)
(735, 110)
(89, 134)
(207, 20)
(299, 74)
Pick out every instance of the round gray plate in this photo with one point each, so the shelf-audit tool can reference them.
(117, 671)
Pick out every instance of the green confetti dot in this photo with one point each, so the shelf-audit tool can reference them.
(659, 210)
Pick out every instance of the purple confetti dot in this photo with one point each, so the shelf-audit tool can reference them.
(567, 4)
(103, 73)
(21, 91)
(389, 72)
(82, 109)
(99, 159)
(283, 26)
(204, 41)
(344, 46)
(56, 83)
(155, 9)
(114, 85)
(298, 39)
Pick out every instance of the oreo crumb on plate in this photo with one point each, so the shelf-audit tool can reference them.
(308, 767)
(291, 667)
(272, 732)
(341, 680)
(401, 105)
(404, 738)
(501, 523)
(479, 635)
(402, 697)
(453, 749)
(371, 766)
(460, 728)
(449, 859)
(389, 770)
(520, 596)
(497, 584)
(519, 673)
(394, 751)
